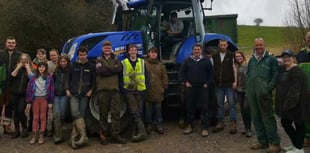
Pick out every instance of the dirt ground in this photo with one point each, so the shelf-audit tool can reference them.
(173, 141)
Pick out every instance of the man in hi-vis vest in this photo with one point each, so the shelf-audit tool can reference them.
(133, 83)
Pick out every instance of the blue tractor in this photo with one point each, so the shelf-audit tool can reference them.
(140, 22)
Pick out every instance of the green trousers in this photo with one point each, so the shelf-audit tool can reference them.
(263, 117)
(109, 101)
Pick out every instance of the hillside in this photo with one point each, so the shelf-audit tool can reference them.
(274, 37)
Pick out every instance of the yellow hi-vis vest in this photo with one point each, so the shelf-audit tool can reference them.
(134, 79)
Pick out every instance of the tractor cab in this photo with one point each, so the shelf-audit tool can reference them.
(154, 19)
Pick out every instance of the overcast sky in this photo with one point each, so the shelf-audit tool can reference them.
(271, 11)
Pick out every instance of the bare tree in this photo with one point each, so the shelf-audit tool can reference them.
(258, 21)
(298, 23)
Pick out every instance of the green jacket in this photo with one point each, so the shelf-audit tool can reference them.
(158, 80)
(262, 74)
(107, 71)
(306, 68)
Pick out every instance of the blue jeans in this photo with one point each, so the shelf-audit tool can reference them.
(153, 113)
(78, 105)
(60, 107)
(221, 92)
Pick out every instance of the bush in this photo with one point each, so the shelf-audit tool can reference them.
(49, 23)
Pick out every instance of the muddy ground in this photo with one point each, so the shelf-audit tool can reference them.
(173, 141)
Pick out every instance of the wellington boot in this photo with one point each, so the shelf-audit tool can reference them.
(74, 135)
(81, 127)
(57, 136)
(141, 131)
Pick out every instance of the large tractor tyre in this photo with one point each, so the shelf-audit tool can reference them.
(93, 116)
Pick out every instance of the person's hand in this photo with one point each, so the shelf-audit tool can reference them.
(89, 93)
(188, 85)
(205, 85)
(50, 106)
(27, 110)
(234, 85)
(27, 66)
(20, 65)
(68, 93)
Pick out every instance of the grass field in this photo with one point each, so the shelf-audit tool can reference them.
(274, 38)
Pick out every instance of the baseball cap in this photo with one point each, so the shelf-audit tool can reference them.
(288, 53)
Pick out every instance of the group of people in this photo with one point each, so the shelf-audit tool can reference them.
(42, 89)
(251, 84)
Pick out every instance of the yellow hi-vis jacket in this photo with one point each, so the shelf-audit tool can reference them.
(134, 79)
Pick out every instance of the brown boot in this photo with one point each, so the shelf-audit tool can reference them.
(306, 143)
(233, 128)
(41, 138)
(259, 146)
(273, 148)
(219, 127)
(34, 138)
(188, 130)
(204, 133)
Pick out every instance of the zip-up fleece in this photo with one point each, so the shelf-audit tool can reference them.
(82, 78)
(60, 78)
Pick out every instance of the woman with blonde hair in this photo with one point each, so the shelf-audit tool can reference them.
(19, 79)
(61, 104)
(241, 66)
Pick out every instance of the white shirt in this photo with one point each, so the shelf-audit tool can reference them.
(177, 26)
(222, 55)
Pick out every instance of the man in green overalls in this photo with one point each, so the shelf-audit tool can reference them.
(261, 79)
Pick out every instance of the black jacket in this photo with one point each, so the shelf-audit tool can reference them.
(19, 83)
(61, 77)
(82, 78)
(292, 95)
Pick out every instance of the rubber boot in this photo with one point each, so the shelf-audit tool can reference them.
(74, 135)
(141, 131)
(81, 127)
(57, 136)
